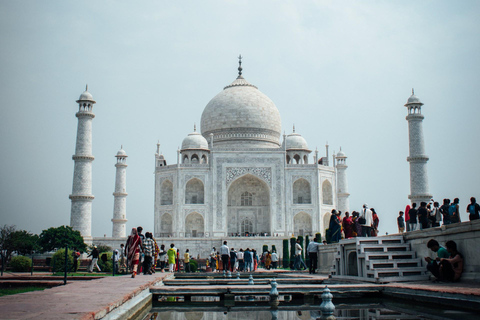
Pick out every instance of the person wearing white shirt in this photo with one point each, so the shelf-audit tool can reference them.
(312, 250)
(225, 254)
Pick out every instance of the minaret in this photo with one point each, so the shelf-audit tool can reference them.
(81, 213)
(417, 158)
(120, 203)
(342, 185)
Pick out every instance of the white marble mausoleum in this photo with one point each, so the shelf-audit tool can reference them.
(240, 176)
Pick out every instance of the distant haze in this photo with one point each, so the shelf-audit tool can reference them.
(341, 71)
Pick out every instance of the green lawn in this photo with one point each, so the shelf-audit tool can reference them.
(86, 274)
(9, 291)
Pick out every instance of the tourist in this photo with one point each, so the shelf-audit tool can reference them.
(473, 209)
(454, 211)
(116, 259)
(335, 227)
(248, 260)
(133, 247)
(213, 259)
(435, 215)
(123, 263)
(241, 262)
(76, 255)
(376, 222)
(407, 217)
(225, 254)
(186, 261)
(422, 215)
(94, 263)
(177, 260)
(163, 257)
(347, 224)
(400, 222)
(255, 259)
(148, 250)
(451, 268)
(433, 264)
(445, 211)
(171, 253)
(413, 217)
(274, 259)
(368, 221)
(312, 250)
(156, 251)
(358, 226)
(142, 237)
(233, 259)
(268, 260)
(298, 264)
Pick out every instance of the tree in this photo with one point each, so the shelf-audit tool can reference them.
(6, 244)
(56, 238)
(24, 242)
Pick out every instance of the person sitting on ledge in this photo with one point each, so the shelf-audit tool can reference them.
(451, 268)
(433, 264)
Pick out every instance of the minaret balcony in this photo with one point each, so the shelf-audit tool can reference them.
(419, 158)
(120, 194)
(83, 157)
(85, 114)
(82, 197)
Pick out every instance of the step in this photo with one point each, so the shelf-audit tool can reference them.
(380, 240)
(398, 263)
(399, 247)
(393, 255)
(399, 272)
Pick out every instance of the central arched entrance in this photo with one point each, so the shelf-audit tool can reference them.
(248, 209)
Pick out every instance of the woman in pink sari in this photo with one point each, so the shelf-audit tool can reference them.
(132, 251)
(347, 224)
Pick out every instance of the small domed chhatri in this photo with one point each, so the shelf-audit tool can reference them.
(86, 96)
(242, 116)
(413, 99)
(296, 142)
(121, 152)
(194, 141)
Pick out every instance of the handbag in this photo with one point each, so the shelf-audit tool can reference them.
(362, 220)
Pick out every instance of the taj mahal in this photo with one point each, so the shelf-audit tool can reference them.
(239, 177)
(236, 177)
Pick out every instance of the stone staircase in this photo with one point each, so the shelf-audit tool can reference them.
(377, 259)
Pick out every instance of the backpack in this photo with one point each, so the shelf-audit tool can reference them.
(471, 209)
(452, 209)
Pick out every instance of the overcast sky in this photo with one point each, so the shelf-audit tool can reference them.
(341, 71)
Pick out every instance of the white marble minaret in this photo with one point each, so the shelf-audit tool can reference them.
(120, 203)
(417, 157)
(342, 185)
(81, 214)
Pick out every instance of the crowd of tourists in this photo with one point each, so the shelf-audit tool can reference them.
(357, 224)
(432, 214)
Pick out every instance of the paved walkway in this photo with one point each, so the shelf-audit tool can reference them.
(77, 300)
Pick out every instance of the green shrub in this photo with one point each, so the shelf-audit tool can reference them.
(274, 248)
(286, 258)
(108, 266)
(264, 248)
(21, 264)
(292, 252)
(58, 260)
(193, 265)
(318, 237)
(102, 248)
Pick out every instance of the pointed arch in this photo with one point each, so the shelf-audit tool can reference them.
(327, 193)
(248, 205)
(305, 159)
(288, 159)
(194, 159)
(301, 192)
(166, 193)
(194, 192)
(194, 225)
(204, 159)
(297, 158)
(302, 223)
(185, 159)
(166, 225)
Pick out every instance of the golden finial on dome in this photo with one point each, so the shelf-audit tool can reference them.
(240, 65)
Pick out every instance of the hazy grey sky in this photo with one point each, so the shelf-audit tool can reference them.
(341, 71)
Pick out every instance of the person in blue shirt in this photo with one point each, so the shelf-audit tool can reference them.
(433, 265)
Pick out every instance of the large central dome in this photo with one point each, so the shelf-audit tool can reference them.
(242, 117)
